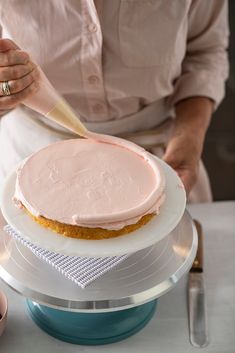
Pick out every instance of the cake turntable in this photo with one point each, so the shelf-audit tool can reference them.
(116, 306)
(123, 300)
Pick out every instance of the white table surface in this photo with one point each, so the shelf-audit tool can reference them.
(168, 330)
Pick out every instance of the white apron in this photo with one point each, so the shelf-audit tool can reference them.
(24, 132)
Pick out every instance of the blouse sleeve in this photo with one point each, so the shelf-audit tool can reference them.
(205, 66)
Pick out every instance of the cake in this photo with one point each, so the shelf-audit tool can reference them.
(91, 189)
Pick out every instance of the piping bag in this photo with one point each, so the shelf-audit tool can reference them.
(48, 102)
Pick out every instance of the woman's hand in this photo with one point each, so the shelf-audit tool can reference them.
(19, 72)
(184, 149)
(183, 153)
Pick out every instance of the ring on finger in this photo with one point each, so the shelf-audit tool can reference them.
(6, 88)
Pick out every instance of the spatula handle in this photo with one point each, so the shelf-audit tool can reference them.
(198, 262)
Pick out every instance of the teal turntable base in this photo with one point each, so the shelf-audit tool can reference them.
(91, 328)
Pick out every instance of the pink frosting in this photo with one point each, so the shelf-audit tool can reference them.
(102, 182)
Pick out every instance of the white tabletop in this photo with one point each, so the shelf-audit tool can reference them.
(168, 330)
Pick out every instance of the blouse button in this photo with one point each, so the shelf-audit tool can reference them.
(93, 79)
(92, 28)
(98, 108)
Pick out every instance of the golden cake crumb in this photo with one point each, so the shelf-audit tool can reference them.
(74, 231)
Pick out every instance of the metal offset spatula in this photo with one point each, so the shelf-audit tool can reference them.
(198, 327)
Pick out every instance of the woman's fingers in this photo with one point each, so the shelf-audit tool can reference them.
(183, 155)
(15, 72)
(188, 175)
(10, 102)
(7, 44)
(18, 85)
(18, 73)
(13, 57)
(22, 82)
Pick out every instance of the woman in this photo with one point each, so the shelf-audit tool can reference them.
(150, 71)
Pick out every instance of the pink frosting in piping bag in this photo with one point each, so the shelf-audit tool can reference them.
(100, 181)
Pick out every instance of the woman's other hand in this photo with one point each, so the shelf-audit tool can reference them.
(185, 147)
(18, 72)
(183, 155)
